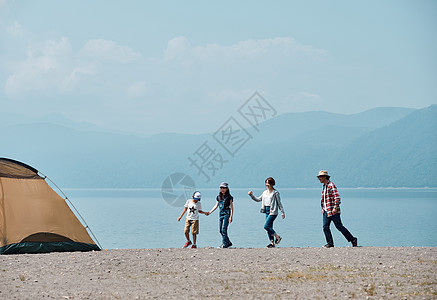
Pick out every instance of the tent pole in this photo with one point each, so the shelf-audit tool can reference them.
(75, 209)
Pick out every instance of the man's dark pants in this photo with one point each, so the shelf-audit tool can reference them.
(337, 222)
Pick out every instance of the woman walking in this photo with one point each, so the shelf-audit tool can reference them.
(225, 202)
(270, 204)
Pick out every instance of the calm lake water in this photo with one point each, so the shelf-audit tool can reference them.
(140, 218)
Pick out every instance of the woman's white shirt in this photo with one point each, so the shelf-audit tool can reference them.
(267, 198)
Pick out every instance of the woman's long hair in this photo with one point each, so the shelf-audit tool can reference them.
(227, 193)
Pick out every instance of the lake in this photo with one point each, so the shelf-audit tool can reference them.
(141, 218)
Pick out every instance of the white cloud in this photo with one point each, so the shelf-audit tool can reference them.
(249, 50)
(4, 3)
(228, 96)
(184, 78)
(44, 67)
(137, 89)
(105, 50)
(177, 48)
(77, 75)
(301, 101)
(227, 74)
(51, 66)
(309, 96)
(15, 29)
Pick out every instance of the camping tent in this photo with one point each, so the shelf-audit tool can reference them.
(33, 217)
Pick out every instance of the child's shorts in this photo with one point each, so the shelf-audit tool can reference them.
(194, 226)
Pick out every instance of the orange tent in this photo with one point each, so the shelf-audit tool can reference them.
(33, 217)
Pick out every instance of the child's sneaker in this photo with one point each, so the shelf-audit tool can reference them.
(194, 246)
(188, 243)
(270, 246)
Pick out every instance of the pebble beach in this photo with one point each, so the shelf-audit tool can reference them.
(249, 273)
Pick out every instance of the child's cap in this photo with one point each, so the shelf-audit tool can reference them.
(197, 196)
(224, 185)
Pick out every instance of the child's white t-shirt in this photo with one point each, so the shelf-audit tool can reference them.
(193, 209)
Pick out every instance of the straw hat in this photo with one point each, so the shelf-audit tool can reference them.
(323, 173)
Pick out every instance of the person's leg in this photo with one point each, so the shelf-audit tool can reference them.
(195, 231)
(268, 226)
(187, 229)
(337, 222)
(326, 230)
(224, 230)
(221, 229)
(187, 233)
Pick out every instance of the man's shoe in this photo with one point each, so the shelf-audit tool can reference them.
(278, 240)
(227, 246)
(270, 246)
(194, 246)
(355, 242)
(188, 243)
(328, 246)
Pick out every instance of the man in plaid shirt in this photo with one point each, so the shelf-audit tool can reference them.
(331, 211)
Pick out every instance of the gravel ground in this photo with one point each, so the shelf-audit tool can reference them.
(288, 273)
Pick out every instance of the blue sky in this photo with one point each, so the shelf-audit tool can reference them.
(186, 66)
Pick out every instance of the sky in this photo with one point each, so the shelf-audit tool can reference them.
(148, 67)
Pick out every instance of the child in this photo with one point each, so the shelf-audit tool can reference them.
(193, 207)
(226, 204)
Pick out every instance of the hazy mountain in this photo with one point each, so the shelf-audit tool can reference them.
(400, 154)
(381, 147)
(298, 123)
(403, 153)
(11, 119)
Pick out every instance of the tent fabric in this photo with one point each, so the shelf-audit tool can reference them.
(15, 169)
(33, 217)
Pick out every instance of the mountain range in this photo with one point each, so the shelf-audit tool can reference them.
(381, 147)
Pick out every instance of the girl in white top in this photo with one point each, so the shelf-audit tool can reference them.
(270, 204)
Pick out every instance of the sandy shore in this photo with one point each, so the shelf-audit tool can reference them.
(288, 273)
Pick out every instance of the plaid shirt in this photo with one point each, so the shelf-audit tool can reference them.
(332, 198)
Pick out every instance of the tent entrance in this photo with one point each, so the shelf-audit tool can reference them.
(44, 237)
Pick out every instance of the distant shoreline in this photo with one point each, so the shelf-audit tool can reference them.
(175, 273)
(248, 188)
